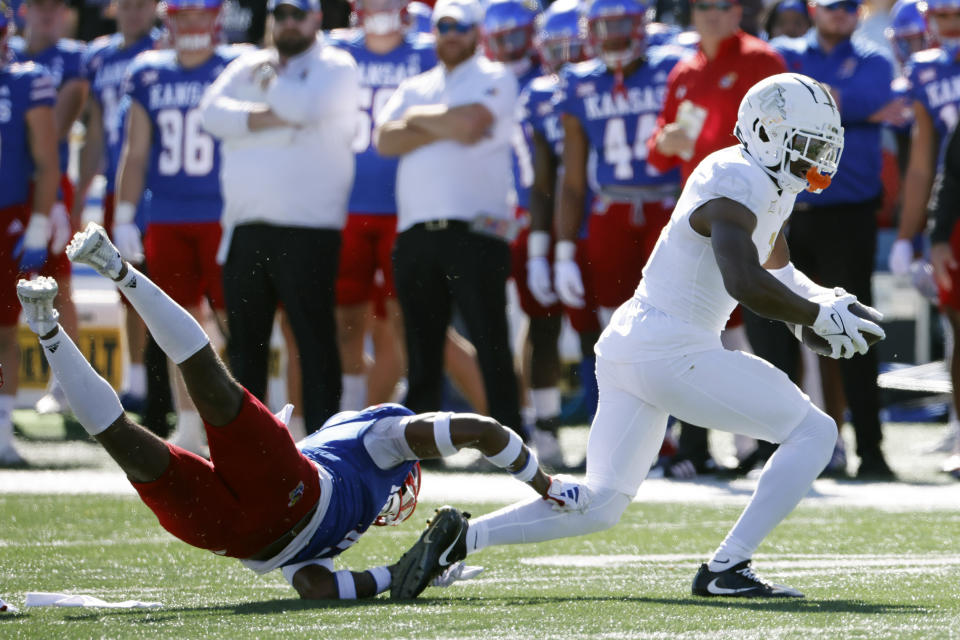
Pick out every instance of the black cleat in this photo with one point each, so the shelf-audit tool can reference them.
(443, 543)
(739, 581)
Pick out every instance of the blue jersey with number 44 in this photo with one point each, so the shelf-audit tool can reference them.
(23, 86)
(374, 188)
(618, 125)
(183, 174)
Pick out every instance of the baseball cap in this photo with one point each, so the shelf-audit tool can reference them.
(303, 5)
(792, 5)
(463, 11)
(827, 3)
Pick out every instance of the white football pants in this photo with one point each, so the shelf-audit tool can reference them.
(718, 389)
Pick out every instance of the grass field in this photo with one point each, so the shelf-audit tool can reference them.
(866, 573)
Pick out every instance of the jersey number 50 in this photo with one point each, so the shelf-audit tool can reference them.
(185, 145)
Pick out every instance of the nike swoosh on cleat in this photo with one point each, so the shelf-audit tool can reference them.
(722, 561)
(442, 560)
(722, 591)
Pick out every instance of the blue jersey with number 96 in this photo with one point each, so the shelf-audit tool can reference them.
(183, 174)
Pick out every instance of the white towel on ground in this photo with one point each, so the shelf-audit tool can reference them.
(44, 599)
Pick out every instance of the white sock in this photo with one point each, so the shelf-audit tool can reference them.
(354, 394)
(785, 480)
(6, 420)
(137, 380)
(535, 521)
(190, 432)
(175, 330)
(546, 402)
(92, 399)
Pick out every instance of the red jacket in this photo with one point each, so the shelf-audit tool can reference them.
(718, 86)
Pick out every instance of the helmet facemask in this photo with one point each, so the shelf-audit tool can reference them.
(402, 502)
(196, 36)
(618, 40)
(382, 17)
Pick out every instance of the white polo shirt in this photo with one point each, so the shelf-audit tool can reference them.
(447, 179)
(296, 176)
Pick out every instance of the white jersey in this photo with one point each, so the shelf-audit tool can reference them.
(681, 304)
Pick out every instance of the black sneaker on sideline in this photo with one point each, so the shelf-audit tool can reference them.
(739, 581)
(443, 543)
(874, 467)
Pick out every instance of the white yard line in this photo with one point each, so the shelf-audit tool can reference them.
(500, 488)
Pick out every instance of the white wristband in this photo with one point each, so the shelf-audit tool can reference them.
(564, 250)
(529, 470)
(381, 575)
(124, 213)
(538, 244)
(346, 587)
(441, 434)
(509, 453)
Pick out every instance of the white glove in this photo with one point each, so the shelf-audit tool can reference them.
(60, 229)
(566, 494)
(566, 275)
(31, 249)
(842, 329)
(125, 234)
(455, 573)
(538, 281)
(901, 255)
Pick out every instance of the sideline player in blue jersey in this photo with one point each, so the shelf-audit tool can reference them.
(558, 41)
(28, 153)
(609, 108)
(387, 51)
(105, 66)
(166, 150)
(261, 498)
(45, 22)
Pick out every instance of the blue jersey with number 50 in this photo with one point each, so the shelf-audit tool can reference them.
(935, 83)
(183, 175)
(22, 87)
(617, 125)
(374, 188)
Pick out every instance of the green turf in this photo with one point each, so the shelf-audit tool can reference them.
(867, 574)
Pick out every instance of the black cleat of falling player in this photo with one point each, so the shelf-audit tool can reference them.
(739, 581)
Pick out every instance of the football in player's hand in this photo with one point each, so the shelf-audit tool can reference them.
(819, 344)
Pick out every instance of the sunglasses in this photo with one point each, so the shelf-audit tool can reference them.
(282, 13)
(847, 5)
(723, 5)
(443, 28)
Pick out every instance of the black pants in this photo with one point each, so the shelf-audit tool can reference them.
(835, 246)
(435, 271)
(297, 267)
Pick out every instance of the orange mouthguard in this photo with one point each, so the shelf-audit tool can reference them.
(817, 180)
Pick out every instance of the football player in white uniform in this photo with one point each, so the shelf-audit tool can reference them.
(661, 353)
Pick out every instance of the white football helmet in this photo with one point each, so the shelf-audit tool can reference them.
(790, 124)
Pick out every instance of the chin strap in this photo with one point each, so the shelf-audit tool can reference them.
(619, 88)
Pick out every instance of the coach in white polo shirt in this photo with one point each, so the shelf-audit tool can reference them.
(451, 127)
(286, 115)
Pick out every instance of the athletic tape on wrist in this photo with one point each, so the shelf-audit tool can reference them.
(564, 250)
(441, 434)
(538, 244)
(529, 470)
(381, 575)
(124, 213)
(508, 455)
(346, 587)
